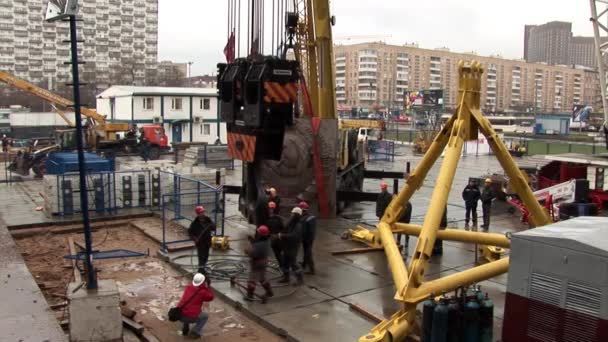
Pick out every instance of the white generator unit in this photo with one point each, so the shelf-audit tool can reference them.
(558, 283)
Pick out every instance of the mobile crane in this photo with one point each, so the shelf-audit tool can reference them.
(101, 135)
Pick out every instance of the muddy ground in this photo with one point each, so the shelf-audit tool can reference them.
(147, 284)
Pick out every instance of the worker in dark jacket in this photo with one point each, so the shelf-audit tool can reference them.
(258, 251)
(471, 195)
(309, 227)
(201, 231)
(384, 199)
(273, 196)
(276, 226)
(291, 239)
(406, 217)
(438, 246)
(487, 196)
(191, 306)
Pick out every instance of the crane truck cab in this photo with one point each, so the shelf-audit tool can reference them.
(367, 134)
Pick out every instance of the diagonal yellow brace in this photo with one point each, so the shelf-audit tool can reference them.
(455, 234)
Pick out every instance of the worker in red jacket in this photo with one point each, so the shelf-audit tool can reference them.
(191, 305)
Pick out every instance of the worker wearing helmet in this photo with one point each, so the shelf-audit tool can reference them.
(201, 231)
(487, 196)
(309, 227)
(471, 195)
(258, 251)
(276, 226)
(384, 199)
(291, 239)
(273, 196)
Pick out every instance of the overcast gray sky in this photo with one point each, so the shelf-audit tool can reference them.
(195, 30)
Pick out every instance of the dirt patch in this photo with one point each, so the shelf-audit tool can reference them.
(147, 284)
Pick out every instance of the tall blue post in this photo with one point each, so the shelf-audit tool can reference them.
(84, 201)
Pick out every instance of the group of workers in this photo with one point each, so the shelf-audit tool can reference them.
(284, 239)
(471, 196)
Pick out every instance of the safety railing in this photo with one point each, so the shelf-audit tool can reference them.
(107, 191)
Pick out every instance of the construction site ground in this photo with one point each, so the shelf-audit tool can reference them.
(341, 302)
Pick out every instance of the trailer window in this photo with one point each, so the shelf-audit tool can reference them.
(206, 129)
(148, 103)
(176, 103)
(205, 104)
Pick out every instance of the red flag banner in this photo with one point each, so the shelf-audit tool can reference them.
(229, 48)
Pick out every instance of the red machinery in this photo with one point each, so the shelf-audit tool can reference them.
(554, 181)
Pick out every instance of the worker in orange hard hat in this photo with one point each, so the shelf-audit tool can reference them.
(384, 199)
(258, 251)
(201, 231)
(487, 196)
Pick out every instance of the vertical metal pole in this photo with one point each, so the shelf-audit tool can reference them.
(599, 59)
(84, 201)
(163, 223)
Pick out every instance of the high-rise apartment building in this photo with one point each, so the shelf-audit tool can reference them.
(553, 43)
(549, 43)
(120, 41)
(377, 74)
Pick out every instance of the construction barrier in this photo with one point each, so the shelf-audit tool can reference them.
(381, 150)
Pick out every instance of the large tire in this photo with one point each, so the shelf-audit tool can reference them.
(154, 153)
(39, 169)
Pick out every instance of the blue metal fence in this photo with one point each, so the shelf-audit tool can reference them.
(109, 191)
(383, 150)
(178, 208)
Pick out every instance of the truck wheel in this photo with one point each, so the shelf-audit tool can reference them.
(39, 170)
(154, 153)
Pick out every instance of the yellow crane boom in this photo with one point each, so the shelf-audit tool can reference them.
(108, 129)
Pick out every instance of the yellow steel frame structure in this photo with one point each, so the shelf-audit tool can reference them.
(409, 281)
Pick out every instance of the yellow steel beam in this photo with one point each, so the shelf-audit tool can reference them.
(454, 234)
(324, 49)
(439, 198)
(454, 281)
(393, 255)
(538, 215)
(394, 328)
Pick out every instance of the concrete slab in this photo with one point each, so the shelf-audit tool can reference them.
(326, 321)
(95, 315)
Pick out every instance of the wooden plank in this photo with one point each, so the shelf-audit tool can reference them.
(358, 250)
(361, 250)
(130, 324)
(59, 295)
(365, 313)
(58, 305)
(127, 312)
(77, 278)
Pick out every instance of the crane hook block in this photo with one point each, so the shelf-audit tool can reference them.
(257, 99)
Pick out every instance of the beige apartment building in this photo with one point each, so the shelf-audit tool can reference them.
(377, 74)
